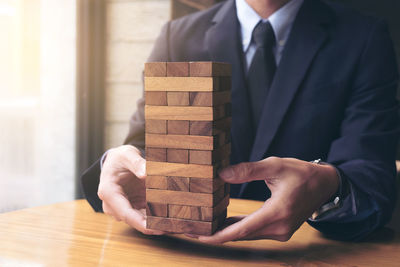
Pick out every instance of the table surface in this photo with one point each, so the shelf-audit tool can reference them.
(71, 234)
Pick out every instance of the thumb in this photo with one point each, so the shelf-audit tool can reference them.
(135, 163)
(247, 171)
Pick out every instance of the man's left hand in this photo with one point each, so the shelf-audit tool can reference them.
(298, 188)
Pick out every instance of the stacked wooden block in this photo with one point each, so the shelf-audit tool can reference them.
(188, 119)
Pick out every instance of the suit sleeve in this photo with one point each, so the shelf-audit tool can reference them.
(365, 152)
(91, 177)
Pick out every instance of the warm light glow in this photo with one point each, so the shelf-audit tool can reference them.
(7, 10)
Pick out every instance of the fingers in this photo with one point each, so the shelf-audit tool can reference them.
(122, 210)
(244, 228)
(134, 162)
(251, 171)
(118, 206)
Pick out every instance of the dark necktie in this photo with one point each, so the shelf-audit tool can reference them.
(259, 79)
(262, 68)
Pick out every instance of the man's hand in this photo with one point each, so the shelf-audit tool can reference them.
(298, 188)
(122, 187)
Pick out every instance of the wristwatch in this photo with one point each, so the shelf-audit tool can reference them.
(336, 201)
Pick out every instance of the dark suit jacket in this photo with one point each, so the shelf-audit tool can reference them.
(333, 98)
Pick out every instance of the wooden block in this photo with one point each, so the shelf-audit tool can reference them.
(220, 112)
(184, 198)
(156, 154)
(181, 141)
(181, 170)
(199, 185)
(156, 98)
(184, 113)
(156, 182)
(177, 155)
(218, 195)
(174, 225)
(200, 157)
(156, 209)
(210, 157)
(204, 99)
(209, 69)
(219, 208)
(220, 165)
(181, 84)
(156, 126)
(228, 110)
(221, 139)
(178, 98)
(178, 184)
(203, 128)
(222, 125)
(198, 213)
(155, 69)
(222, 153)
(225, 83)
(178, 127)
(227, 189)
(209, 99)
(177, 69)
(209, 214)
(186, 212)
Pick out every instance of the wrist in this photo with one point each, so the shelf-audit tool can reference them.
(332, 181)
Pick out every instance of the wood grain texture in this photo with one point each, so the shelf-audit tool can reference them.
(185, 212)
(177, 69)
(198, 213)
(156, 126)
(156, 154)
(178, 183)
(155, 69)
(181, 141)
(201, 157)
(182, 84)
(74, 235)
(177, 155)
(183, 226)
(156, 182)
(181, 170)
(209, 69)
(156, 209)
(178, 127)
(178, 98)
(183, 198)
(203, 128)
(209, 99)
(156, 98)
(184, 113)
(199, 185)
(211, 157)
(219, 194)
(218, 209)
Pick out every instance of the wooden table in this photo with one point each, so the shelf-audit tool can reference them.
(71, 234)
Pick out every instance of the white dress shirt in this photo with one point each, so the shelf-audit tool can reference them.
(281, 22)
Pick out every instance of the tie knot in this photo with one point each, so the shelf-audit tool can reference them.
(263, 34)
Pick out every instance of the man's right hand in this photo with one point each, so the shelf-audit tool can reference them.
(122, 187)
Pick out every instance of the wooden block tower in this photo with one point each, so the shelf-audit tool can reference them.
(188, 120)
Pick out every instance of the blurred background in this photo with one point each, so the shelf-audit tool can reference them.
(70, 75)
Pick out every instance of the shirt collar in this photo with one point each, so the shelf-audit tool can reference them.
(281, 21)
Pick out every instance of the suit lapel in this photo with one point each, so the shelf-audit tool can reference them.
(307, 37)
(223, 43)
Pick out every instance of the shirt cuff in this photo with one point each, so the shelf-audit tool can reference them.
(340, 202)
